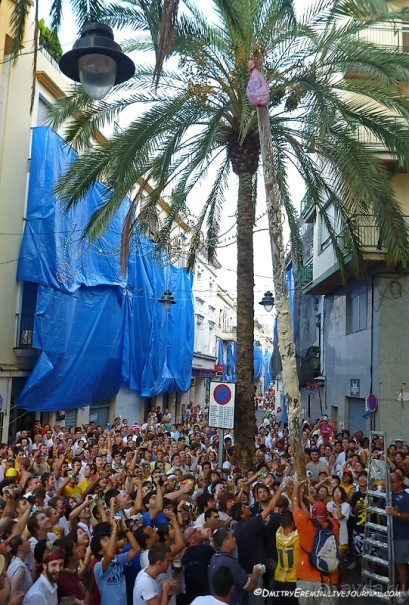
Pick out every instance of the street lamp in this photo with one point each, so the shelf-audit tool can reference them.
(320, 380)
(167, 300)
(267, 301)
(97, 61)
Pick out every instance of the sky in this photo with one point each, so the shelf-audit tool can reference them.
(227, 249)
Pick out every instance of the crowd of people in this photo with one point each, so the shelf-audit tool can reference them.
(148, 514)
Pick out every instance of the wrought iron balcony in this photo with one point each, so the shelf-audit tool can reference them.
(368, 232)
(306, 273)
(327, 276)
(308, 209)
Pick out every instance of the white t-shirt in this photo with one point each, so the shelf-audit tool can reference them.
(207, 600)
(33, 541)
(343, 529)
(145, 588)
(14, 567)
(341, 458)
(144, 562)
(200, 521)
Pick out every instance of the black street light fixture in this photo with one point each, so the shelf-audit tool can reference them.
(97, 61)
(267, 301)
(320, 380)
(167, 300)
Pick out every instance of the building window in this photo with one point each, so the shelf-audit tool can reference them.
(43, 117)
(25, 319)
(358, 311)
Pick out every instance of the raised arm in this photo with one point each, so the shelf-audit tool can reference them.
(158, 504)
(135, 547)
(19, 527)
(272, 504)
(111, 547)
(61, 489)
(179, 543)
(137, 505)
(78, 509)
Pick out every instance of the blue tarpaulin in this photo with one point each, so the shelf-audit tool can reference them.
(266, 363)
(258, 363)
(220, 360)
(96, 328)
(231, 360)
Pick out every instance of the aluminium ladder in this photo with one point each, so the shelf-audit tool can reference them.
(378, 566)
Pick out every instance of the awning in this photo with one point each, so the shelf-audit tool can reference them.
(202, 373)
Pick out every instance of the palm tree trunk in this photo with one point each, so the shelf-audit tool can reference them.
(169, 13)
(245, 411)
(282, 303)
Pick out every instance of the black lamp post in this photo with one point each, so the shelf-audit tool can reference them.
(167, 300)
(267, 301)
(97, 61)
(320, 380)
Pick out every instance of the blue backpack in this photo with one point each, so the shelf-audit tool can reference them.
(324, 552)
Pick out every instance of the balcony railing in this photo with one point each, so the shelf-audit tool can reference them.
(367, 231)
(307, 206)
(25, 330)
(388, 37)
(368, 138)
(306, 274)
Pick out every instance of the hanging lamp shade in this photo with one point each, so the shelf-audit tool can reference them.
(167, 300)
(267, 301)
(97, 61)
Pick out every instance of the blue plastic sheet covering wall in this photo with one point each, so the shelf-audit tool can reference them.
(221, 360)
(266, 364)
(275, 363)
(96, 329)
(231, 360)
(258, 363)
(229, 364)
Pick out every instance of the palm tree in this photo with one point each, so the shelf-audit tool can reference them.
(199, 122)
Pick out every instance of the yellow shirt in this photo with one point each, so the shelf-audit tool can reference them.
(346, 487)
(288, 550)
(83, 485)
(71, 491)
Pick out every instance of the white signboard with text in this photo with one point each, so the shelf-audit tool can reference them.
(221, 406)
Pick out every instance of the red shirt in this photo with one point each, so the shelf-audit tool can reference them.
(69, 585)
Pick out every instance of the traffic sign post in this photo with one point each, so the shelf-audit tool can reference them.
(221, 405)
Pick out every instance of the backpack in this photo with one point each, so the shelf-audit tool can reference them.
(324, 551)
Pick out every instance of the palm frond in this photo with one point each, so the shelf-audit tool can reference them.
(182, 131)
(18, 24)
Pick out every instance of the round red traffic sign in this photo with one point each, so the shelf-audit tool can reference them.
(222, 394)
(372, 403)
